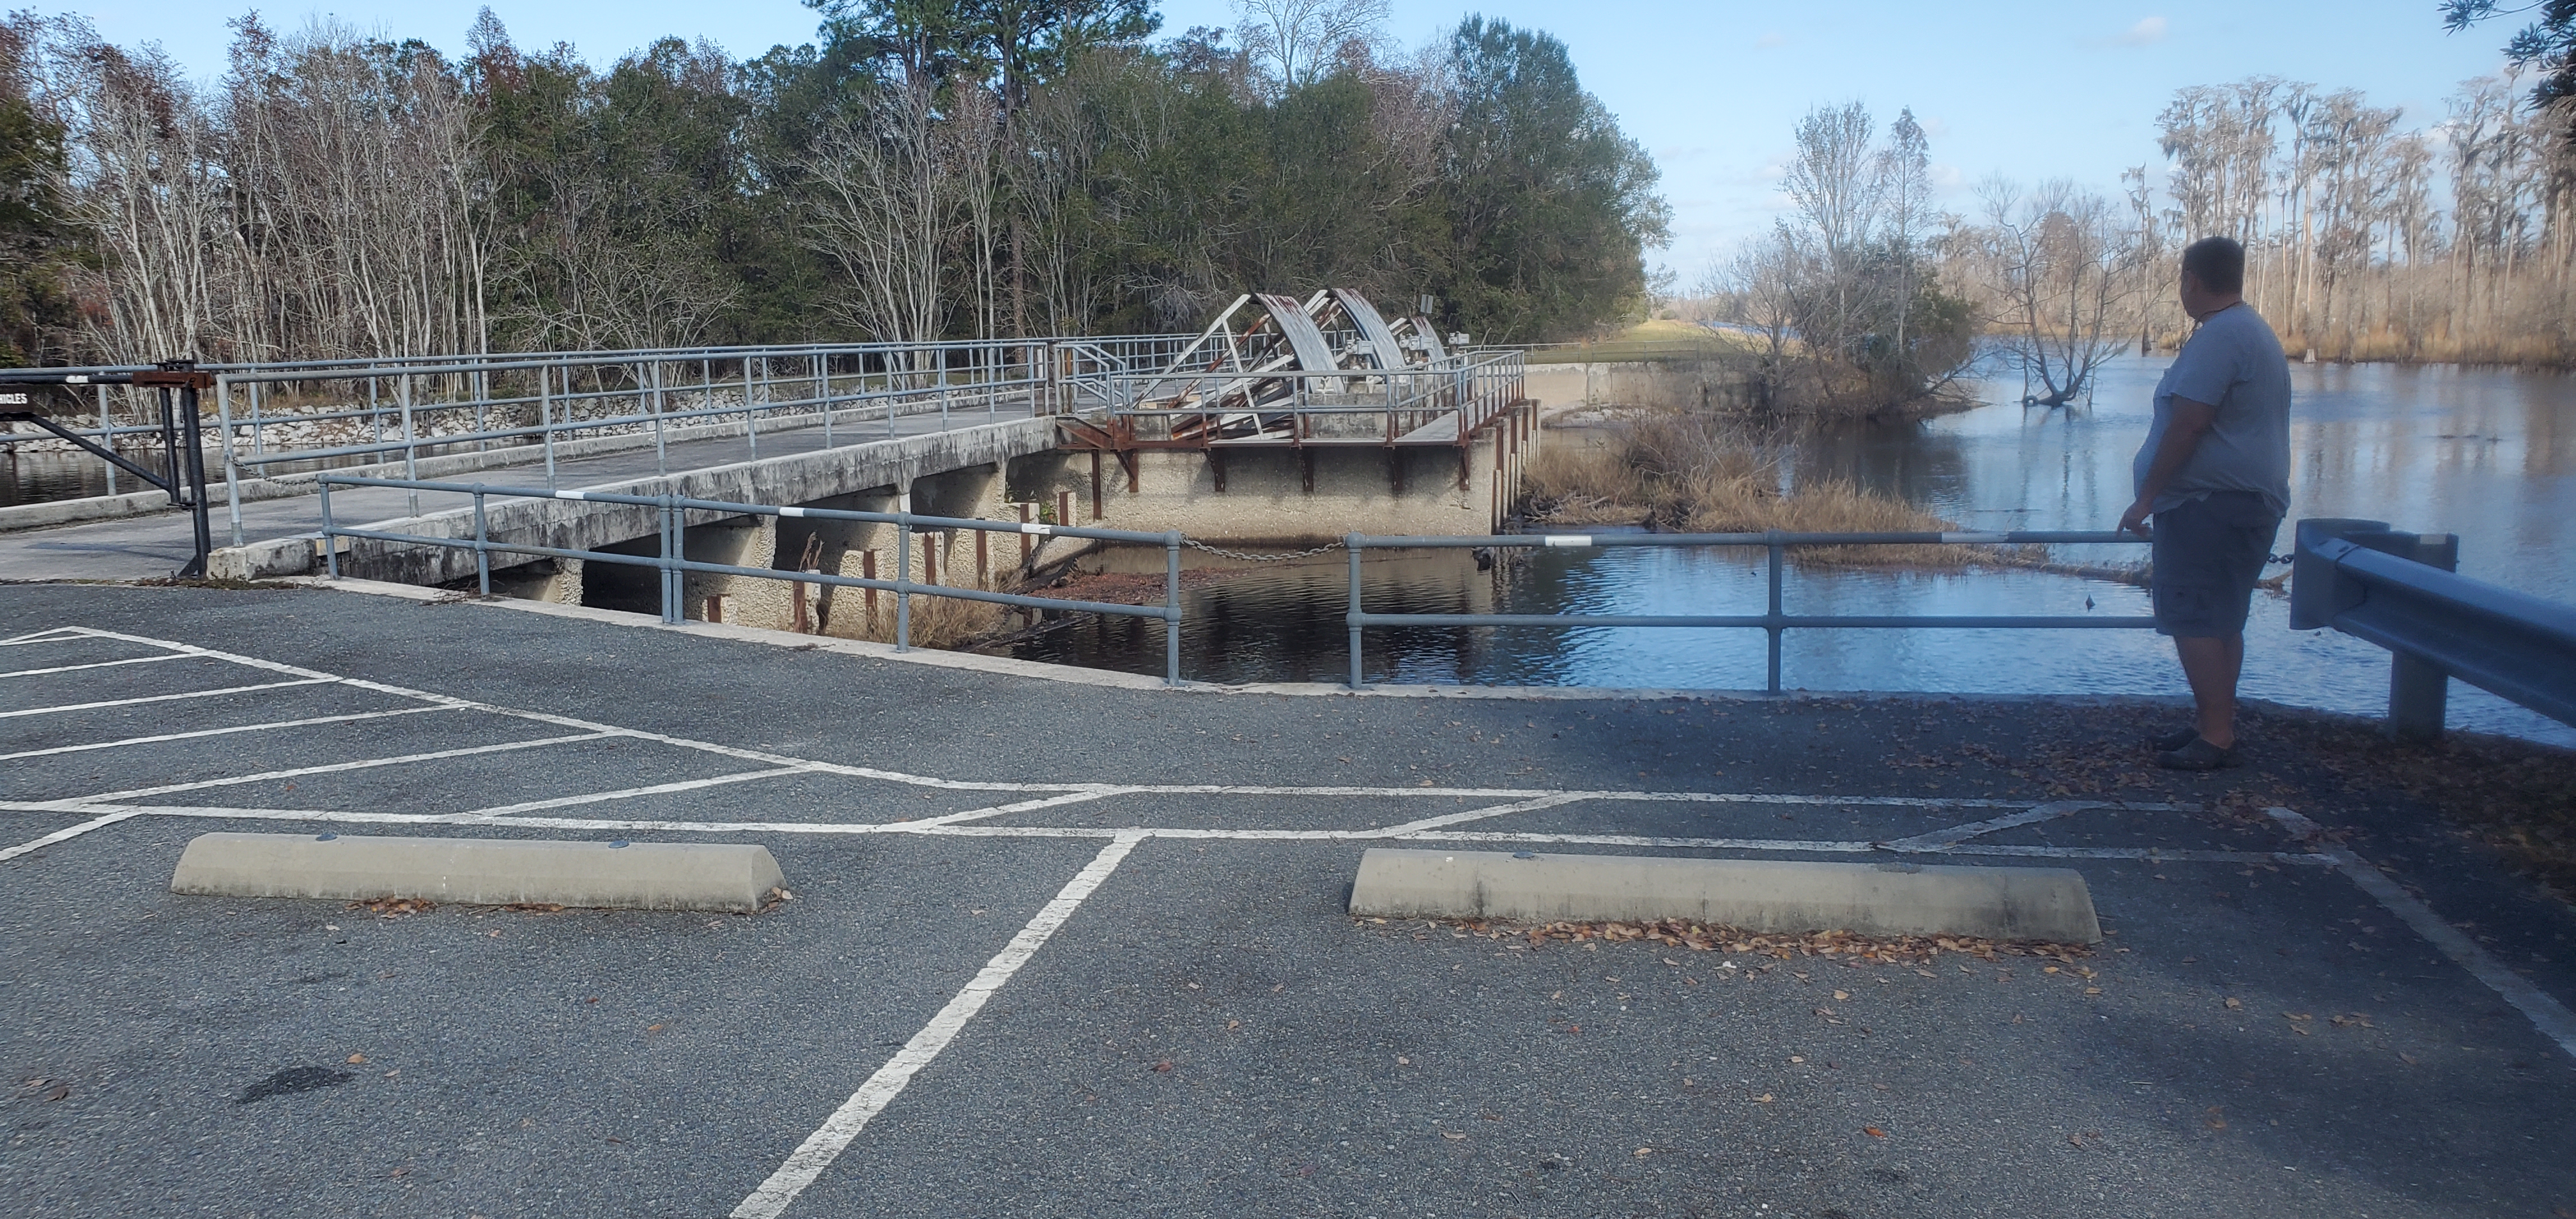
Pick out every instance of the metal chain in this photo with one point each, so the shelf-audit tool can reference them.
(1261, 558)
(2285, 558)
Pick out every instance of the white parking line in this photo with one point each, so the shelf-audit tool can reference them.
(328, 768)
(73, 831)
(1938, 839)
(60, 634)
(102, 664)
(1479, 814)
(2547, 1014)
(827, 1142)
(225, 731)
(499, 811)
(163, 698)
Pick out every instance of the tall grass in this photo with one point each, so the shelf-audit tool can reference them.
(1698, 472)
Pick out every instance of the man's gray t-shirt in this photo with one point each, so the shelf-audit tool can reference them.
(2233, 362)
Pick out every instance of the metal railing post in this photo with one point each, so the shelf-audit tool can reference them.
(1772, 625)
(671, 615)
(903, 583)
(546, 425)
(1172, 608)
(482, 554)
(750, 412)
(232, 476)
(1352, 543)
(411, 441)
(330, 533)
(823, 394)
(661, 451)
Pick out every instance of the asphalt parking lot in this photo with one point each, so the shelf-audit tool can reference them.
(1064, 949)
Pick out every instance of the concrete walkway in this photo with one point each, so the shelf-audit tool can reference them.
(150, 547)
(1080, 948)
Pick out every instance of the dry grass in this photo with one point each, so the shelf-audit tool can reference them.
(1660, 341)
(1697, 472)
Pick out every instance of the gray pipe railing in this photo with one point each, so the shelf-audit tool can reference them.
(1773, 621)
(672, 561)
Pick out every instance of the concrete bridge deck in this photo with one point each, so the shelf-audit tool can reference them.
(1170, 1013)
(153, 546)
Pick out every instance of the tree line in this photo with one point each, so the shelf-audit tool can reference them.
(923, 169)
(2452, 241)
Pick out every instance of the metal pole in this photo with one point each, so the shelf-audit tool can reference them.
(200, 566)
(546, 424)
(330, 538)
(482, 556)
(670, 593)
(1772, 626)
(411, 446)
(750, 418)
(903, 584)
(107, 439)
(661, 453)
(258, 445)
(1172, 608)
(232, 480)
(823, 395)
(1352, 543)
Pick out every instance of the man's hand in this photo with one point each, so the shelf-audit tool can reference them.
(2135, 519)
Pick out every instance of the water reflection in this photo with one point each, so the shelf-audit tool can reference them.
(2490, 455)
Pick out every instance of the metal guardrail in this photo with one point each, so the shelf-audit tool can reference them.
(2398, 590)
(672, 562)
(1774, 621)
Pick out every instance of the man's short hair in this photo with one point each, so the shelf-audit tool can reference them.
(2217, 262)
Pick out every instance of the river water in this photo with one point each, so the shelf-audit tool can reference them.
(2487, 454)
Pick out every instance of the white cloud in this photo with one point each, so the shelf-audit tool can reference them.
(2147, 32)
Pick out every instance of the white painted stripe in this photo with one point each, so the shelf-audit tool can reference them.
(329, 768)
(227, 731)
(103, 664)
(791, 512)
(2546, 1013)
(1038, 530)
(1940, 839)
(1568, 539)
(827, 1142)
(74, 831)
(945, 827)
(1024, 806)
(1433, 823)
(60, 634)
(163, 698)
(658, 789)
(568, 495)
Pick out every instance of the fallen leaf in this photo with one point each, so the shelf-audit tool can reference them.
(58, 1092)
(399, 1172)
(2234, 1004)
(1446, 1135)
(1763, 1099)
(1842, 994)
(1402, 1061)
(1643, 1151)
(1796, 1058)
(357, 1058)
(1873, 1132)
(652, 1028)
(2092, 990)
(1232, 1025)
(1164, 1067)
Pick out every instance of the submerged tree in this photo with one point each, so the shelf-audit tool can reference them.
(2065, 274)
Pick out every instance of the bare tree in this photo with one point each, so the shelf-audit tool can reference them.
(878, 215)
(2063, 268)
(1300, 39)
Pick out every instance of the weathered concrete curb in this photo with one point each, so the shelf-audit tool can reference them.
(480, 871)
(1754, 894)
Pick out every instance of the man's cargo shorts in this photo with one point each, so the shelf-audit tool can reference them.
(2208, 554)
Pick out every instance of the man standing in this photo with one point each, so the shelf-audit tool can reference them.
(2215, 475)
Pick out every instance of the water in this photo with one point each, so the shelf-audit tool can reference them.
(2489, 455)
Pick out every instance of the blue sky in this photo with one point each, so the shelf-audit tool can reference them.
(2027, 88)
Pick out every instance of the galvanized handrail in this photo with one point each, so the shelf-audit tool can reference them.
(2397, 590)
(1773, 621)
(672, 561)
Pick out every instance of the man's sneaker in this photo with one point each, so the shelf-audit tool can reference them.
(2198, 754)
(2172, 741)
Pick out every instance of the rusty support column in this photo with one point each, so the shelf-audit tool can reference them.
(868, 570)
(983, 563)
(1095, 485)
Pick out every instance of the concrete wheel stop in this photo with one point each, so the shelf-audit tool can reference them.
(481, 871)
(1766, 895)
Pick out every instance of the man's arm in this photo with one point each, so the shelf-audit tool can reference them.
(2191, 421)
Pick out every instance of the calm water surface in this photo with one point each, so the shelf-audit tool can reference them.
(2489, 455)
